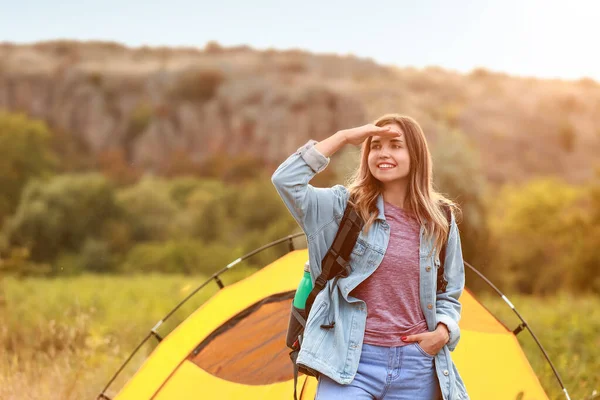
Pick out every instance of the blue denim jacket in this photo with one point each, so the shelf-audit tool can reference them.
(336, 352)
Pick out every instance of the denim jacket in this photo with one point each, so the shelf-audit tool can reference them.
(335, 352)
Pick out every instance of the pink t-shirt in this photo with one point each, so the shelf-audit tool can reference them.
(392, 291)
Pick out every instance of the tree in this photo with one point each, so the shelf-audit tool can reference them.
(149, 209)
(587, 270)
(58, 215)
(25, 153)
(537, 231)
(458, 174)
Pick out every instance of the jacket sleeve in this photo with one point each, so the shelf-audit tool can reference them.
(448, 308)
(311, 207)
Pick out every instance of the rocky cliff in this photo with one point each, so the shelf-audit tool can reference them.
(155, 102)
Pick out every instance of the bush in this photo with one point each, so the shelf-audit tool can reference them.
(25, 153)
(212, 223)
(260, 237)
(138, 122)
(257, 205)
(587, 271)
(197, 85)
(182, 188)
(148, 209)
(458, 173)
(538, 229)
(95, 256)
(61, 214)
(113, 164)
(184, 256)
(16, 261)
(180, 162)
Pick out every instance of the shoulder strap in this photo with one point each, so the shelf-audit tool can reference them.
(336, 260)
(441, 281)
(334, 263)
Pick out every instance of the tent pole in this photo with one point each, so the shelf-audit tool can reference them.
(102, 396)
(521, 326)
(291, 247)
(215, 276)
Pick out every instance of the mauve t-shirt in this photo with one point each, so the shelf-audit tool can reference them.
(392, 291)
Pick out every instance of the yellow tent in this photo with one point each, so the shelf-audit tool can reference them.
(233, 347)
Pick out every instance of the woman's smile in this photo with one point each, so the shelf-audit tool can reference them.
(386, 166)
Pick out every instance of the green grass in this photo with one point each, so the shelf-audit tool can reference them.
(568, 327)
(64, 338)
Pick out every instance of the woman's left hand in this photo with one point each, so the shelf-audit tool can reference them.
(430, 342)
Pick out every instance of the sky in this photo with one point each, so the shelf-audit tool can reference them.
(548, 39)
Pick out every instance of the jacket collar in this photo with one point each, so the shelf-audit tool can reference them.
(380, 207)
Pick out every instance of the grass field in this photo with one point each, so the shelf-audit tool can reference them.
(63, 338)
(569, 329)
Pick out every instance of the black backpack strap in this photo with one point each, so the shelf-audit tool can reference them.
(442, 283)
(336, 261)
(294, 356)
(299, 317)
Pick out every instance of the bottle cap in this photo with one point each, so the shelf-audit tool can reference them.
(307, 267)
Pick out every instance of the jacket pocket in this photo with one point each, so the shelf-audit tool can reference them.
(356, 256)
(359, 248)
(315, 313)
(315, 332)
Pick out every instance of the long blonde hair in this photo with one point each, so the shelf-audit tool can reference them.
(423, 200)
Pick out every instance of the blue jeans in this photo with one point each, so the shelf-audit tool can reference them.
(391, 373)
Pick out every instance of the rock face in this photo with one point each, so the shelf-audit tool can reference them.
(158, 105)
(196, 103)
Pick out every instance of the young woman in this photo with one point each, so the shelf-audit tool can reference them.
(386, 330)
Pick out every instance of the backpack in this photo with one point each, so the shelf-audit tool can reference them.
(335, 264)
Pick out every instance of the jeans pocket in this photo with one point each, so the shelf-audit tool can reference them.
(426, 354)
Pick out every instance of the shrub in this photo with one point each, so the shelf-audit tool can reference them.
(538, 229)
(148, 209)
(25, 153)
(458, 174)
(197, 85)
(113, 164)
(138, 121)
(61, 214)
(182, 256)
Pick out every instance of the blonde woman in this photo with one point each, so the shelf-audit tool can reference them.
(387, 329)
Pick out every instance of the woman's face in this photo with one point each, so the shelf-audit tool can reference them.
(388, 157)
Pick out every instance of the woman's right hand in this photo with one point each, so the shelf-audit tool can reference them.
(358, 135)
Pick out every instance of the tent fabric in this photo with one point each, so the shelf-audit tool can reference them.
(248, 350)
(233, 347)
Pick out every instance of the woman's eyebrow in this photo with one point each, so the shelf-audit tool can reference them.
(393, 140)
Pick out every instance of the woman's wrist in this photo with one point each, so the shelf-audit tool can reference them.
(342, 135)
(443, 332)
(333, 143)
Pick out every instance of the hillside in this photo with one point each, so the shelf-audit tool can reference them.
(154, 104)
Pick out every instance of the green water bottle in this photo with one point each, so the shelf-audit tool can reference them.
(304, 289)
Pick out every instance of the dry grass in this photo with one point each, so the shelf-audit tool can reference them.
(64, 338)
